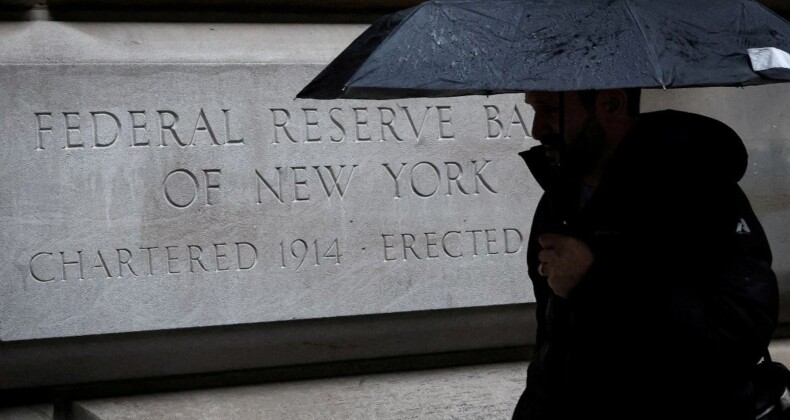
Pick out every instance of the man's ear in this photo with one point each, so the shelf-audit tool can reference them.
(612, 102)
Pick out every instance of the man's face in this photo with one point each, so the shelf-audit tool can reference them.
(584, 140)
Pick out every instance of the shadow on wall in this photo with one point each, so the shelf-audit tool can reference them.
(262, 11)
(242, 11)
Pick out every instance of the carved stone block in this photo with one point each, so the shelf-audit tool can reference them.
(174, 195)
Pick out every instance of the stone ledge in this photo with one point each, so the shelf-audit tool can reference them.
(31, 367)
(31, 412)
(275, 5)
(272, 5)
(488, 391)
(45, 42)
(18, 4)
(312, 6)
(242, 6)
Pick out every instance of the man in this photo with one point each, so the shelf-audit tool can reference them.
(655, 296)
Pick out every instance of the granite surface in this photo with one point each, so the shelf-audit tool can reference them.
(170, 194)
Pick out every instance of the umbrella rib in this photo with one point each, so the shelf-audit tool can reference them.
(652, 54)
(387, 40)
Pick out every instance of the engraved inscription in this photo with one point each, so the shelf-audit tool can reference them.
(182, 188)
(104, 129)
(496, 122)
(359, 124)
(296, 253)
(426, 179)
(300, 183)
(140, 261)
(451, 244)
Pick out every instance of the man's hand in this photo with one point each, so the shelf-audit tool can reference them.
(564, 261)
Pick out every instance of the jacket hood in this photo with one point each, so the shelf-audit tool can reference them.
(692, 144)
(685, 144)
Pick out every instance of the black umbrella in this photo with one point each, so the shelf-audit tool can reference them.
(468, 47)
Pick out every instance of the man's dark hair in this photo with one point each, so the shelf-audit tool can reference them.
(633, 96)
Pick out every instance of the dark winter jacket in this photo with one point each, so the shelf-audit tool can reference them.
(680, 302)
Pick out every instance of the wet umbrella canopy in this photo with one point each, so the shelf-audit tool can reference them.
(466, 47)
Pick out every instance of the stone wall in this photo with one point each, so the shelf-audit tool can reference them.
(167, 207)
(161, 177)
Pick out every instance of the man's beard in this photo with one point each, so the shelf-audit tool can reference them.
(581, 155)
